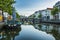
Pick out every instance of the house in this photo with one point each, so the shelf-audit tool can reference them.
(58, 6)
(37, 13)
(46, 14)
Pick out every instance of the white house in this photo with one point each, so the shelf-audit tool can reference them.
(57, 5)
(46, 14)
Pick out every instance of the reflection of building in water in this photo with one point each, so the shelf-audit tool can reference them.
(56, 31)
(57, 28)
(50, 29)
(53, 29)
(9, 34)
(37, 27)
(46, 28)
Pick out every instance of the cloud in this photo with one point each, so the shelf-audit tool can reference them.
(28, 7)
(25, 12)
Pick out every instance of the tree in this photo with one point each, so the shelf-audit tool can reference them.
(17, 15)
(33, 16)
(6, 5)
(54, 11)
(40, 15)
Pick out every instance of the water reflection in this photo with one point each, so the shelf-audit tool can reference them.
(52, 29)
(9, 34)
(28, 32)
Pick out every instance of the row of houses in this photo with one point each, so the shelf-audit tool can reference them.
(46, 13)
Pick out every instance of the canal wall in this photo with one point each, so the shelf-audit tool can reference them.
(52, 22)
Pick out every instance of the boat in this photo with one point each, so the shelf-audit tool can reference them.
(12, 24)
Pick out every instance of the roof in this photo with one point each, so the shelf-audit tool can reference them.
(49, 8)
(57, 3)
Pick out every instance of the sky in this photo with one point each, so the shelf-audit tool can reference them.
(28, 7)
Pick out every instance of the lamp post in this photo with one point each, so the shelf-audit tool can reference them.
(14, 15)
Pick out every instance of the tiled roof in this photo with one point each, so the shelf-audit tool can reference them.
(50, 8)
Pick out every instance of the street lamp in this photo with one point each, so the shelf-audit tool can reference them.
(13, 14)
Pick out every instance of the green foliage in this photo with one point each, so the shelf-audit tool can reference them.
(54, 11)
(17, 15)
(33, 16)
(6, 5)
(40, 15)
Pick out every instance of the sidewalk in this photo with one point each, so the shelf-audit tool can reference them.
(54, 22)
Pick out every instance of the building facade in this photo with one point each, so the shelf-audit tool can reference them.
(46, 14)
(37, 14)
(58, 6)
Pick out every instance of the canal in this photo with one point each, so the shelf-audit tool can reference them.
(32, 32)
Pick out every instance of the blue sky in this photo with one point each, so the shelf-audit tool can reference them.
(28, 7)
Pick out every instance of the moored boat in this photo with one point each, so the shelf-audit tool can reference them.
(11, 24)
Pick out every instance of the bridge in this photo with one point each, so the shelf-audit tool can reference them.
(30, 20)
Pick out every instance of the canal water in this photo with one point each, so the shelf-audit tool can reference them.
(32, 32)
